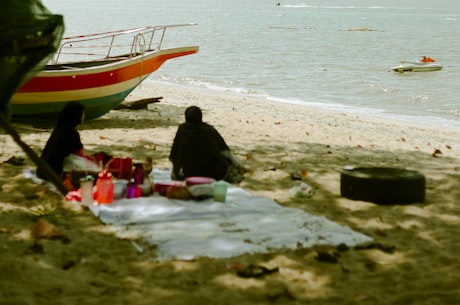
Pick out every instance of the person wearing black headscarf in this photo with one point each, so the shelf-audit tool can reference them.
(199, 150)
(64, 139)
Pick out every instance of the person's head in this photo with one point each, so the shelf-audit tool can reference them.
(193, 115)
(72, 114)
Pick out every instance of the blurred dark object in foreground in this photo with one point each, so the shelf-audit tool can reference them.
(29, 35)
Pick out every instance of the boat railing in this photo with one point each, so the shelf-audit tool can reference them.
(115, 44)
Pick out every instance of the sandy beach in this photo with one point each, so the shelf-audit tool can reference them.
(414, 260)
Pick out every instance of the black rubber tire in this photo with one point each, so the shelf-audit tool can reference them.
(383, 185)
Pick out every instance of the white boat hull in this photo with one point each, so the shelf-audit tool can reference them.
(408, 66)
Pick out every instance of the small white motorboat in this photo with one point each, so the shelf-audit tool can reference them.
(415, 66)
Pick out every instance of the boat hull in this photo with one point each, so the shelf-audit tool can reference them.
(100, 87)
(416, 67)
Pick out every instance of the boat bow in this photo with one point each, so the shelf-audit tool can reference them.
(101, 81)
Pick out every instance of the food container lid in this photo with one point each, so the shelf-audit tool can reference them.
(198, 180)
(105, 174)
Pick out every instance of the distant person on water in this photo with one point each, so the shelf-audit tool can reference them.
(427, 59)
(199, 150)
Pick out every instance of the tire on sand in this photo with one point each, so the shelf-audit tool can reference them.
(383, 185)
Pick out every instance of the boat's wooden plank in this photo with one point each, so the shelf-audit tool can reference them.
(139, 104)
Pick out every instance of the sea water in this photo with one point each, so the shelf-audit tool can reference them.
(334, 54)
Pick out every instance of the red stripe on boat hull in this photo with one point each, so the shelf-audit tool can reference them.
(113, 73)
(99, 88)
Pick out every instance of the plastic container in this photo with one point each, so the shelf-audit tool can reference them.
(121, 168)
(120, 188)
(162, 186)
(189, 181)
(104, 186)
(220, 191)
(86, 188)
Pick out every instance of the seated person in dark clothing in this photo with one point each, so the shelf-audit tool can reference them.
(64, 139)
(199, 150)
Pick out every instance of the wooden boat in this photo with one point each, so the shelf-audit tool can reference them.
(113, 65)
(415, 66)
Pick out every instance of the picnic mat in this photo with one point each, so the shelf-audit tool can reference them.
(244, 224)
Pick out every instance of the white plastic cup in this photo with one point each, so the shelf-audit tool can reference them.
(220, 191)
(86, 188)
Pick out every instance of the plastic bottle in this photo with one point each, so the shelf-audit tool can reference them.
(138, 174)
(131, 190)
(86, 188)
(104, 186)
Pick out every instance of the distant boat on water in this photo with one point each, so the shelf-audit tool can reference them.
(425, 64)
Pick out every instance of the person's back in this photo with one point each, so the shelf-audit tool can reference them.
(62, 142)
(201, 152)
(196, 150)
(64, 139)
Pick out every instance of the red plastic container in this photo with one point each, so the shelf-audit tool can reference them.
(104, 186)
(121, 168)
(162, 187)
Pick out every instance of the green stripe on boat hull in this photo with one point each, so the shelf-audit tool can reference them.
(45, 114)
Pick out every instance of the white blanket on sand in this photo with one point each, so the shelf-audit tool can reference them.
(243, 224)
